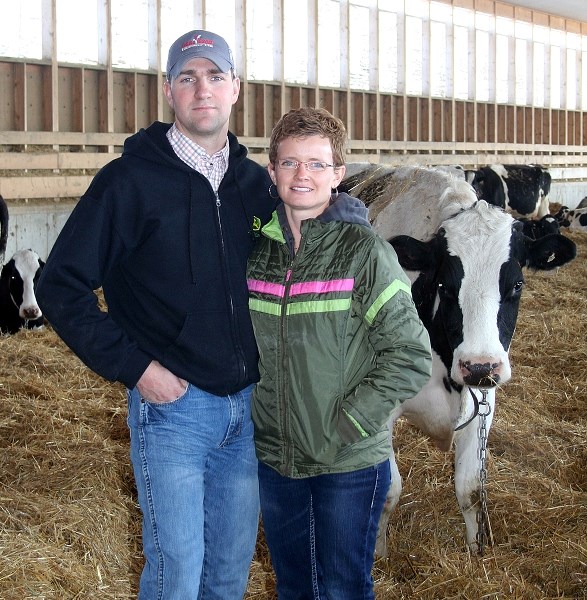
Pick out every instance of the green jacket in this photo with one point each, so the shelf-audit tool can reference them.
(340, 344)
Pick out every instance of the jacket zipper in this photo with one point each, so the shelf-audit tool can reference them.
(288, 450)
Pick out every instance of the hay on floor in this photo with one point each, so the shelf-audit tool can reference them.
(70, 526)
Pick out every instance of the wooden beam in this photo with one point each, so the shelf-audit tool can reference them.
(44, 187)
(130, 102)
(67, 138)
(29, 161)
(77, 103)
(20, 97)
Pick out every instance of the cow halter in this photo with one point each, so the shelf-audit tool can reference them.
(14, 301)
(17, 306)
(475, 409)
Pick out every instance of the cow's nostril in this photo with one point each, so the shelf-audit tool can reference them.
(479, 368)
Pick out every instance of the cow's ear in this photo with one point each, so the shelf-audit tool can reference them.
(5, 274)
(549, 252)
(480, 176)
(413, 254)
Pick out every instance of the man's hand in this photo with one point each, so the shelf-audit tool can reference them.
(159, 385)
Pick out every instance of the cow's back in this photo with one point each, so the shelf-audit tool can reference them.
(417, 200)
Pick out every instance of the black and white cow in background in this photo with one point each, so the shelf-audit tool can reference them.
(522, 190)
(3, 229)
(537, 228)
(18, 305)
(465, 259)
(572, 218)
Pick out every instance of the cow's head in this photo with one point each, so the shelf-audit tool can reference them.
(575, 218)
(537, 228)
(489, 185)
(562, 216)
(19, 276)
(469, 285)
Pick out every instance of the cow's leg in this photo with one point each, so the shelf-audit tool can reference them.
(543, 207)
(391, 501)
(468, 468)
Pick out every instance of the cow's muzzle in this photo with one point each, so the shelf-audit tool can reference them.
(30, 312)
(478, 374)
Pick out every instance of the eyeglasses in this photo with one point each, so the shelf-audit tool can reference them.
(293, 165)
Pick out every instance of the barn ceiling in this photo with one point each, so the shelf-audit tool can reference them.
(571, 9)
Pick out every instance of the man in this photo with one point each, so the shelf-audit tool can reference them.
(165, 231)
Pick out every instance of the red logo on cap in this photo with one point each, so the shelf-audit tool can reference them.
(197, 41)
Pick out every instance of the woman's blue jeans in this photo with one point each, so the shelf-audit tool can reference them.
(321, 531)
(196, 474)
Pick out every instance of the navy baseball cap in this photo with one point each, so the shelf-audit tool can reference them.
(199, 44)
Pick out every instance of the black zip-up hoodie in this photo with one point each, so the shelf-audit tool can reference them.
(170, 256)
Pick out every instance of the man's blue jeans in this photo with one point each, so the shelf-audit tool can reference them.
(196, 474)
(321, 531)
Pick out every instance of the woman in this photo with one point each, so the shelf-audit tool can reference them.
(340, 346)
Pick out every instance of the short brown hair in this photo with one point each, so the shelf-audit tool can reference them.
(306, 121)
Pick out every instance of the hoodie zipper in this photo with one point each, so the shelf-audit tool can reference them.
(243, 364)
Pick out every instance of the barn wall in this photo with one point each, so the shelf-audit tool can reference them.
(35, 227)
(568, 193)
(43, 102)
(60, 123)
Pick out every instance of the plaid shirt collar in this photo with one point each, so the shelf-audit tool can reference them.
(212, 167)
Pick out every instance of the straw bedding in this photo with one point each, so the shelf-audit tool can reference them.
(70, 526)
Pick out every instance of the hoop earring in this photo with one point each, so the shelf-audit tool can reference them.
(276, 193)
(335, 195)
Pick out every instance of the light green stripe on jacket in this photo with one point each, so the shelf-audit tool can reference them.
(318, 306)
(389, 292)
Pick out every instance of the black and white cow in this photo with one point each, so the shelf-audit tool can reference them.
(465, 259)
(537, 228)
(3, 229)
(572, 218)
(520, 189)
(18, 305)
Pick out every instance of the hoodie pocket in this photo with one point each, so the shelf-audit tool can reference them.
(204, 351)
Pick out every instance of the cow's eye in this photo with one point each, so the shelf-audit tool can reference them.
(515, 290)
